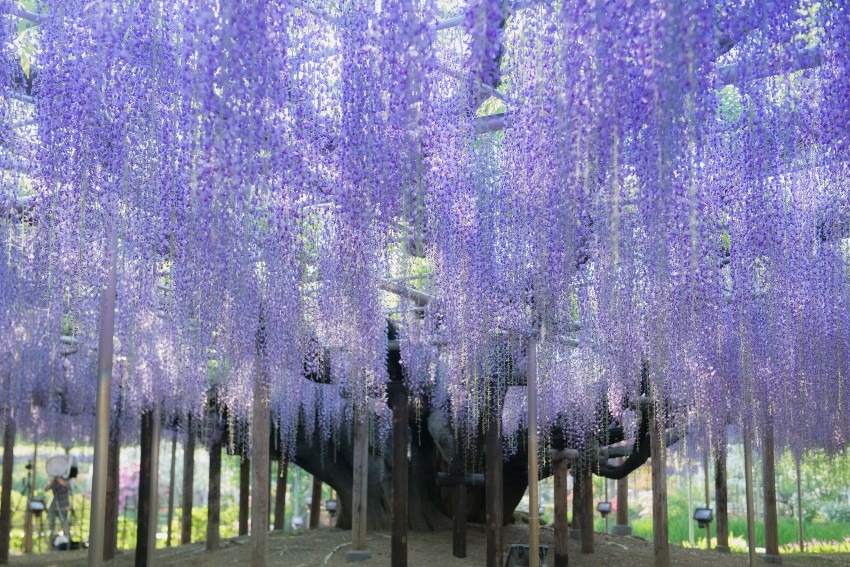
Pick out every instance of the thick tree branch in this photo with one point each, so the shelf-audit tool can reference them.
(743, 73)
(456, 21)
(418, 297)
(491, 123)
(485, 89)
(29, 99)
(25, 15)
(636, 455)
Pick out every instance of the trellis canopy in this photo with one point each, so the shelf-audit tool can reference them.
(656, 190)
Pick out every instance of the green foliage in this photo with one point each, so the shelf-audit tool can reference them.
(491, 106)
(729, 103)
(815, 546)
(816, 532)
(809, 32)
(838, 512)
(228, 527)
(27, 41)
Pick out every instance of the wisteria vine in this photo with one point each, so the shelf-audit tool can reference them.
(656, 190)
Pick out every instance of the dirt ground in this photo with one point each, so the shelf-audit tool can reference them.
(328, 546)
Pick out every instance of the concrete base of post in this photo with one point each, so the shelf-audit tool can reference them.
(619, 530)
(356, 556)
(772, 559)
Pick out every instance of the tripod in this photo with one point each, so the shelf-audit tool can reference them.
(71, 522)
(39, 515)
(34, 508)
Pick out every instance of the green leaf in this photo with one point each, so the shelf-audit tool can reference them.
(25, 63)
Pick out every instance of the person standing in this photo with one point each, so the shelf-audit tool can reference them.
(60, 505)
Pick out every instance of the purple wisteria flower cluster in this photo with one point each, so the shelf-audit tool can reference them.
(656, 189)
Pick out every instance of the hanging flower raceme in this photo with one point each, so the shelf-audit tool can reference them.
(657, 191)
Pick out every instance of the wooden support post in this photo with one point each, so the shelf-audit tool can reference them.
(147, 499)
(690, 515)
(577, 506)
(316, 503)
(171, 473)
(361, 473)
(105, 350)
(244, 494)
(296, 495)
(6, 489)
(458, 482)
(110, 535)
(621, 525)
(153, 510)
(459, 521)
(398, 393)
(188, 484)
(661, 546)
(771, 522)
(623, 503)
(280, 496)
(748, 479)
(800, 504)
(260, 471)
(214, 500)
(561, 528)
(271, 477)
(533, 496)
(28, 511)
(721, 498)
(705, 464)
(494, 494)
(586, 509)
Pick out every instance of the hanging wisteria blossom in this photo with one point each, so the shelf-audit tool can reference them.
(348, 193)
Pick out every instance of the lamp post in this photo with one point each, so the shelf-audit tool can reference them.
(604, 508)
(703, 517)
(330, 506)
